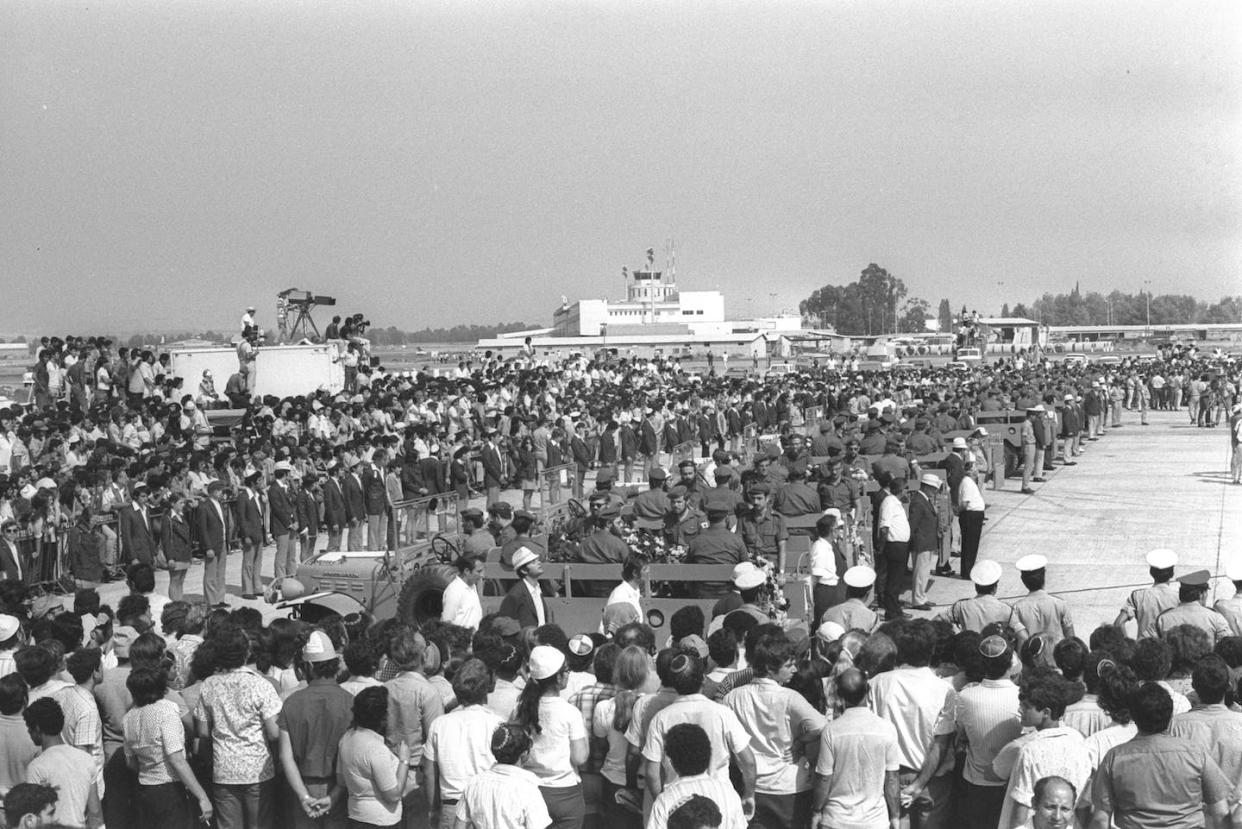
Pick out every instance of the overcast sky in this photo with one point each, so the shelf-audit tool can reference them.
(432, 163)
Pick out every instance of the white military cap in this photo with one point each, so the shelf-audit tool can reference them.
(860, 575)
(1162, 559)
(1032, 562)
(986, 573)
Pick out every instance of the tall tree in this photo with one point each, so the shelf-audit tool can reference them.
(866, 306)
(945, 315)
(914, 316)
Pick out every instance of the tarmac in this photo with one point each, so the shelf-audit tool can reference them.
(1137, 488)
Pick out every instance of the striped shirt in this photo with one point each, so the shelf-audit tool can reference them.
(986, 714)
(713, 788)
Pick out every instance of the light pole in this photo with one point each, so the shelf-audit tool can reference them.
(1147, 294)
(1109, 302)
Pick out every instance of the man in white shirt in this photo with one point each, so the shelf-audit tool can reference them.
(1049, 750)
(689, 754)
(857, 783)
(970, 507)
(894, 529)
(461, 604)
(458, 745)
(910, 697)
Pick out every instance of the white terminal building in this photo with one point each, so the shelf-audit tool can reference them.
(655, 314)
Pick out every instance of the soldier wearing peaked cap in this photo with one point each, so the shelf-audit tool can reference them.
(1145, 604)
(762, 529)
(716, 545)
(1191, 610)
(984, 608)
(854, 613)
(1040, 613)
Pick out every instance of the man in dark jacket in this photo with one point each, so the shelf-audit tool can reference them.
(249, 511)
(213, 535)
(525, 602)
(282, 519)
(308, 516)
(137, 534)
(335, 517)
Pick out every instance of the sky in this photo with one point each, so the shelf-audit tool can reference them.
(162, 165)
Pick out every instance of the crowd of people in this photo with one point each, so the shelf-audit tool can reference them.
(983, 714)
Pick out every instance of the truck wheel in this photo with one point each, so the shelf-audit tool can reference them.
(422, 595)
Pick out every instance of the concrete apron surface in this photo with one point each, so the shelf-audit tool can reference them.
(1137, 488)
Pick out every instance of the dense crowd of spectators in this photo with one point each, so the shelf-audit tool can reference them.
(198, 708)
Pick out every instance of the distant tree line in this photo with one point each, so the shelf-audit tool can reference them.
(1120, 308)
(876, 303)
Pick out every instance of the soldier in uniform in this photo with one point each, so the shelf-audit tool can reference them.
(652, 506)
(826, 443)
(688, 476)
(762, 529)
(604, 544)
(716, 545)
(501, 521)
(682, 524)
(854, 613)
(984, 608)
(835, 490)
(1040, 613)
(1231, 608)
(797, 497)
(478, 540)
(523, 522)
(604, 480)
(1144, 605)
(1191, 592)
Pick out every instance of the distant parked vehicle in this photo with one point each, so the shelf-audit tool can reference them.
(969, 355)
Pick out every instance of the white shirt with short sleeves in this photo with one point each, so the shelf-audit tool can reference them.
(460, 743)
(724, 729)
(893, 517)
(549, 758)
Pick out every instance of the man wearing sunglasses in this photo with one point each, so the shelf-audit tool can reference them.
(11, 567)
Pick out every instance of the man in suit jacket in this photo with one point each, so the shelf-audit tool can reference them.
(582, 458)
(648, 444)
(493, 466)
(335, 518)
(283, 521)
(249, 509)
(355, 505)
(308, 516)
(137, 535)
(213, 534)
(525, 602)
(375, 495)
(11, 567)
(924, 536)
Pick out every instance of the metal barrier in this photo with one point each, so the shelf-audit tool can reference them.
(555, 481)
(413, 518)
(684, 452)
